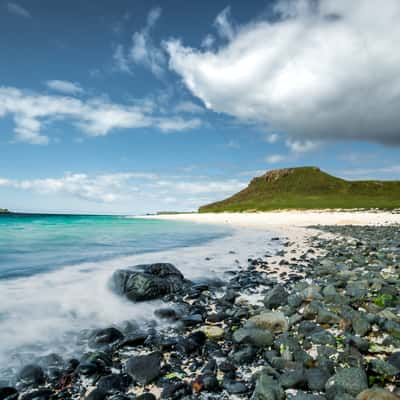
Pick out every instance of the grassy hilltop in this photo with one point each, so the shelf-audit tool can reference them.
(308, 188)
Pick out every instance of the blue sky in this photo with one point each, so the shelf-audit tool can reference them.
(139, 106)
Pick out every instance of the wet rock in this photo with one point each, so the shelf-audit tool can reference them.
(8, 393)
(276, 297)
(39, 394)
(31, 375)
(104, 337)
(148, 282)
(350, 381)
(166, 313)
(145, 368)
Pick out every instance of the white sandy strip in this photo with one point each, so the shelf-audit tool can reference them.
(283, 219)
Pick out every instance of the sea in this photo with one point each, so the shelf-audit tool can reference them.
(55, 272)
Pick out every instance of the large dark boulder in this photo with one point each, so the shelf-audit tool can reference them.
(148, 281)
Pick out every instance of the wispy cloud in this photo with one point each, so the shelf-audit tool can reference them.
(127, 186)
(93, 116)
(66, 87)
(142, 50)
(17, 9)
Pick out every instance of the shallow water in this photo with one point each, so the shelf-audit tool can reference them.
(42, 310)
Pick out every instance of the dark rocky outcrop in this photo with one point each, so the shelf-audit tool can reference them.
(148, 282)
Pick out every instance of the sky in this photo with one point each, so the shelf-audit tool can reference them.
(139, 106)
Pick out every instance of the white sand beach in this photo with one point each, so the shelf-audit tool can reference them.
(286, 219)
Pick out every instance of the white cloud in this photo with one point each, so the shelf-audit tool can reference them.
(208, 41)
(224, 24)
(319, 71)
(66, 87)
(178, 124)
(189, 107)
(276, 158)
(143, 50)
(299, 146)
(391, 172)
(121, 63)
(125, 187)
(17, 9)
(273, 138)
(95, 117)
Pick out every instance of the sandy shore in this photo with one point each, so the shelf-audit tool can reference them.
(286, 219)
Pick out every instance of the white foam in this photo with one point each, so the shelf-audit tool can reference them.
(43, 309)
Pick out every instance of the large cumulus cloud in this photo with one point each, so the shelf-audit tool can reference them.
(318, 70)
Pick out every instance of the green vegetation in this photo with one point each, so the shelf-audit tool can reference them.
(309, 188)
(4, 211)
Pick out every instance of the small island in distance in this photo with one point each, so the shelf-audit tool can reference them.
(308, 188)
(4, 211)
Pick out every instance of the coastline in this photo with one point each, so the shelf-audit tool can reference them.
(286, 323)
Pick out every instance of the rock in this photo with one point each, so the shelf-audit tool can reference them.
(213, 332)
(31, 375)
(273, 321)
(351, 381)
(394, 359)
(110, 383)
(324, 338)
(210, 383)
(148, 282)
(166, 313)
(300, 395)
(384, 368)
(96, 394)
(175, 390)
(8, 393)
(361, 326)
(276, 297)
(144, 369)
(234, 387)
(293, 379)
(244, 355)
(38, 394)
(146, 396)
(254, 336)
(104, 337)
(267, 388)
(317, 378)
(377, 394)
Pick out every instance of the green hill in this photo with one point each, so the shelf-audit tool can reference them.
(308, 188)
(4, 211)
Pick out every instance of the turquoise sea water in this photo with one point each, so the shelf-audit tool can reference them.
(32, 244)
(55, 272)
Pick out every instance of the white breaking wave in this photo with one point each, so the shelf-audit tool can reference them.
(41, 314)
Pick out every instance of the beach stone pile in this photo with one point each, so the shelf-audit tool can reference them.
(322, 323)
